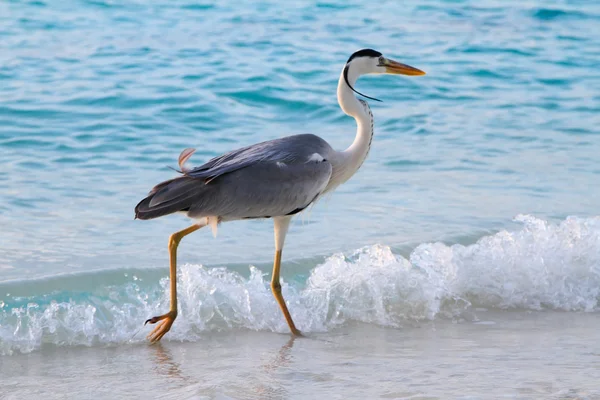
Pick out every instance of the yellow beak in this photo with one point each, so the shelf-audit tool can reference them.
(394, 67)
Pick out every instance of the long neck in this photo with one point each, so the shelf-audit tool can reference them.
(350, 160)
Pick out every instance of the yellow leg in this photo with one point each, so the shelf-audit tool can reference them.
(276, 288)
(168, 318)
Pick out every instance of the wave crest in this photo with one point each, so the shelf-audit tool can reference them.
(540, 266)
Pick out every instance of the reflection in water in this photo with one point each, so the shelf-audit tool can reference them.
(282, 357)
(264, 382)
(270, 387)
(165, 365)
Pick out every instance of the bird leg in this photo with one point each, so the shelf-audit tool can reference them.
(276, 288)
(168, 318)
(281, 225)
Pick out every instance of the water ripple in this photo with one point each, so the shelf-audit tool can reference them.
(98, 97)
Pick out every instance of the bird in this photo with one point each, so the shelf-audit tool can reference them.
(274, 179)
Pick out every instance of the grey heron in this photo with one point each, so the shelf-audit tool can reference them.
(274, 179)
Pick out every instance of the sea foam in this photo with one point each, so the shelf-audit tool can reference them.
(543, 265)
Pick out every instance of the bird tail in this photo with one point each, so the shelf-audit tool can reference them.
(169, 197)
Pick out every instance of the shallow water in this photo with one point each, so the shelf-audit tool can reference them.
(479, 193)
(99, 97)
(541, 266)
(501, 355)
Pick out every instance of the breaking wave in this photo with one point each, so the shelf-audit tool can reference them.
(543, 265)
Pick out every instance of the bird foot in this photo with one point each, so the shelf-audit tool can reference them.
(163, 327)
(297, 333)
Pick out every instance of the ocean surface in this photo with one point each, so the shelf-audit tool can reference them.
(462, 260)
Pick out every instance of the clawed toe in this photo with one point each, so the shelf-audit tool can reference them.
(163, 327)
(152, 320)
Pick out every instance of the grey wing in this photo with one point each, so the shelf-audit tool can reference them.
(287, 149)
(279, 177)
(262, 190)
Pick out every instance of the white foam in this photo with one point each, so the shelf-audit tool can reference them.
(540, 266)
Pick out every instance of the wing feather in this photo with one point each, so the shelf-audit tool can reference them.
(287, 149)
(274, 178)
(265, 189)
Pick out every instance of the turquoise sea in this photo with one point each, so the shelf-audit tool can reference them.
(462, 261)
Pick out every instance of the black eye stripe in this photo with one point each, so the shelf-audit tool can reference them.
(354, 90)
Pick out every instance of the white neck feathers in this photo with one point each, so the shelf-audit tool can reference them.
(350, 160)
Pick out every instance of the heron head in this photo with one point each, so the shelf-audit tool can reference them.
(369, 61)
